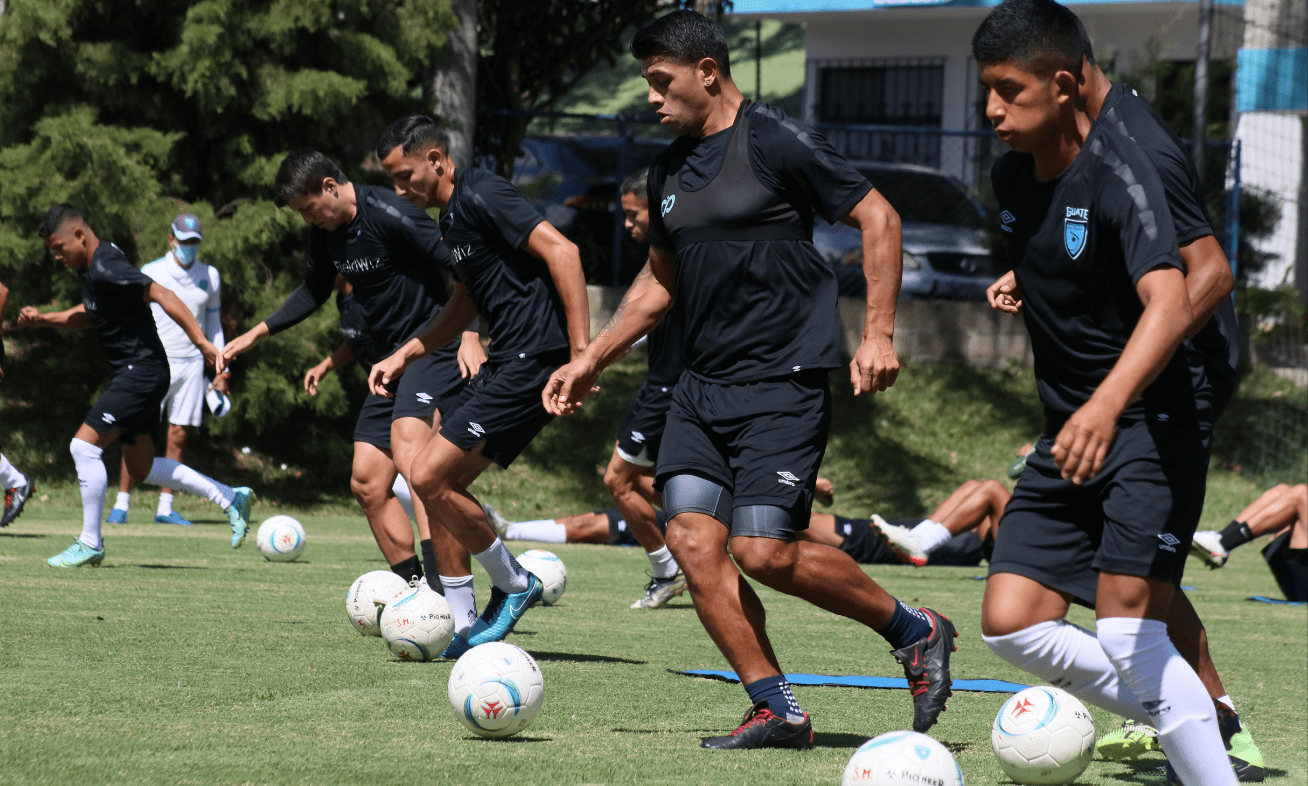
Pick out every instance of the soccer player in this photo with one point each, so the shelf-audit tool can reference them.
(526, 281)
(1280, 510)
(629, 476)
(199, 288)
(1118, 478)
(391, 254)
(1212, 330)
(730, 232)
(114, 298)
(18, 487)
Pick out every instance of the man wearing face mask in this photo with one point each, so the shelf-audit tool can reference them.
(197, 285)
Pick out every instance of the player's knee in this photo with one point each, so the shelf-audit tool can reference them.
(428, 484)
(764, 559)
(616, 481)
(368, 491)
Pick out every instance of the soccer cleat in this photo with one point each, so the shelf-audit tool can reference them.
(1129, 741)
(903, 541)
(761, 729)
(116, 516)
(1246, 759)
(497, 521)
(459, 644)
(15, 500)
(659, 591)
(171, 518)
(1207, 546)
(504, 611)
(238, 513)
(926, 665)
(77, 554)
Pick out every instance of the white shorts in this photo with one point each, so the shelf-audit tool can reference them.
(185, 400)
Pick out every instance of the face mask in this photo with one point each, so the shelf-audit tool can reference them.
(186, 254)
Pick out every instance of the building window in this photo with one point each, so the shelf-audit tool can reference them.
(881, 92)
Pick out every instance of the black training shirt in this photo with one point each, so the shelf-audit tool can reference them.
(1079, 244)
(354, 326)
(486, 224)
(391, 253)
(1126, 112)
(113, 292)
(735, 209)
(666, 359)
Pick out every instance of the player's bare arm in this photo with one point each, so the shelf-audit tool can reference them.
(564, 261)
(1208, 278)
(1003, 295)
(876, 365)
(74, 318)
(177, 310)
(646, 301)
(342, 356)
(457, 315)
(1083, 442)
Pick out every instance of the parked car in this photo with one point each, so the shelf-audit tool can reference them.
(947, 241)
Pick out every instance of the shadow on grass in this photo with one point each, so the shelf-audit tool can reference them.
(569, 657)
(19, 535)
(161, 567)
(833, 740)
(507, 740)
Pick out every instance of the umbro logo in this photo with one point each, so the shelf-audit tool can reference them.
(668, 202)
(1169, 542)
(108, 418)
(476, 430)
(1162, 417)
(636, 436)
(424, 398)
(1007, 218)
(787, 478)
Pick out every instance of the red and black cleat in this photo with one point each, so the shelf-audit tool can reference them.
(762, 729)
(926, 665)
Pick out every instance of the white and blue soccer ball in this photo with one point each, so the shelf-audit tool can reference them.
(280, 539)
(367, 596)
(418, 624)
(1043, 735)
(902, 757)
(549, 569)
(496, 689)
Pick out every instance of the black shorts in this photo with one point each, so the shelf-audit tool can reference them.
(131, 401)
(762, 441)
(620, 533)
(1289, 567)
(1136, 517)
(502, 407)
(641, 431)
(428, 385)
(863, 545)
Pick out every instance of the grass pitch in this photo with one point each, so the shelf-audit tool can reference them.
(181, 661)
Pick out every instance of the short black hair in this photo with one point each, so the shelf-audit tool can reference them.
(302, 173)
(1038, 36)
(411, 132)
(636, 184)
(684, 37)
(57, 216)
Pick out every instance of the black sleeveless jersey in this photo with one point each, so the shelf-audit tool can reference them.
(735, 209)
(113, 292)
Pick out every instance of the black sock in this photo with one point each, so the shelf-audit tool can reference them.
(906, 626)
(408, 569)
(433, 568)
(1237, 533)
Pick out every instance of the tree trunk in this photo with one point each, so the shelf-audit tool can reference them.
(453, 87)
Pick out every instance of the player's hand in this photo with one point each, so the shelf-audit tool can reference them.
(212, 357)
(470, 356)
(313, 376)
(1083, 441)
(220, 383)
(569, 387)
(237, 346)
(1003, 295)
(30, 317)
(824, 490)
(384, 373)
(875, 366)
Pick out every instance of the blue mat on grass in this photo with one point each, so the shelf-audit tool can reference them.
(1262, 599)
(983, 686)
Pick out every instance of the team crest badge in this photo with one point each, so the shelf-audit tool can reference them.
(1075, 230)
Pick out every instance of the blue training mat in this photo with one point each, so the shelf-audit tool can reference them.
(1263, 599)
(983, 686)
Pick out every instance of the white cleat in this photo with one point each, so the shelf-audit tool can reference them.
(497, 521)
(903, 541)
(1207, 546)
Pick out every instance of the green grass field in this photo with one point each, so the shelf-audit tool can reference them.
(182, 662)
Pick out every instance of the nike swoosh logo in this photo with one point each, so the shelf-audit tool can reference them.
(518, 610)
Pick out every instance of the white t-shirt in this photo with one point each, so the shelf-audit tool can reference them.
(198, 288)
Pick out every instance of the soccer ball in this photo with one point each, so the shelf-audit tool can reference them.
(418, 624)
(1043, 735)
(496, 689)
(367, 595)
(549, 569)
(280, 539)
(899, 757)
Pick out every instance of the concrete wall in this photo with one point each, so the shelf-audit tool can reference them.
(924, 329)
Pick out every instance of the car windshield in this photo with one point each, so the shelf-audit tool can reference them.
(923, 198)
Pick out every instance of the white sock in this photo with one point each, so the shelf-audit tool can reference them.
(1069, 657)
(165, 503)
(463, 602)
(1227, 701)
(543, 530)
(10, 477)
(402, 493)
(930, 535)
(94, 480)
(504, 570)
(661, 563)
(123, 501)
(175, 475)
(1172, 694)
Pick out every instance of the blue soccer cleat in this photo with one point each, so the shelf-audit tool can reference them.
(504, 611)
(238, 513)
(171, 518)
(117, 516)
(77, 554)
